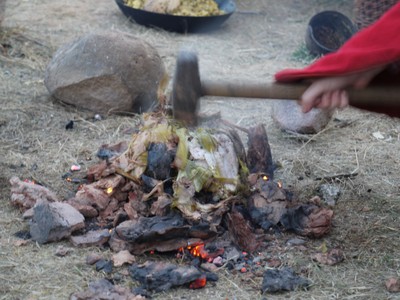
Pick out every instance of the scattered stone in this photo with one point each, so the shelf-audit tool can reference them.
(93, 258)
(26, 194)
(274, 263)
(295, 242)
(330, 258)
(161, 276)
(123, 257)
(393, 285)
(54, 221)
(62, 251)
(104, 289)
(277, 280)
(107, 73)
(91, 238)
(330, 193)
(104, 265)
(288, 116)
(218, 261)
(232, 254)
(139, 291)
(209, 267)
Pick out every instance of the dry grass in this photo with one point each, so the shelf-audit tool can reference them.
(34, 144)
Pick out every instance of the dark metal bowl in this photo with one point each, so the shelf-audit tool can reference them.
(327, 31)
(181, 24)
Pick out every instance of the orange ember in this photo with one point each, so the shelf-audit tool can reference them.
(198, 251)
(198, 283)
(265, 178)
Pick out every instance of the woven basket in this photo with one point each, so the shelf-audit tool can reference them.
(368, 11)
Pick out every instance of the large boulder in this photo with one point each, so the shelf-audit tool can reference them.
(288, 116)
(107, 73)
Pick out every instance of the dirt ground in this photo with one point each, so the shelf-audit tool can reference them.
(258, 40)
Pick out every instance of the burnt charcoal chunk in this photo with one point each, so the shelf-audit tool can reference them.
(285, 279)
(260, 217)
(104, 265)
(161, 276)
(259, 157)
(309, 220)
(210, 276)
(23, 234)
(153, 229)
(296, 217)
(159, 160)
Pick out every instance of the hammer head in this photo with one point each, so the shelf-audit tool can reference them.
(186, 88)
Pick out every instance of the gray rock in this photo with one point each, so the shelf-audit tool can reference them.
(288, 116)
(54, 221)
(330, 193)
(91, 238)
(106, 73)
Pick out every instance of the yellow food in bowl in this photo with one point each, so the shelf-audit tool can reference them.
(193, 8)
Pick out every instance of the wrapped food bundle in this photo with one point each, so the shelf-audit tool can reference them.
(193, 8)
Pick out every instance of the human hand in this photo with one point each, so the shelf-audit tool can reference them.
(329, 92)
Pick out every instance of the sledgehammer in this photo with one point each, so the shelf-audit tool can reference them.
(188, 88)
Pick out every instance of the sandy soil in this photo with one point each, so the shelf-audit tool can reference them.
(258, 40)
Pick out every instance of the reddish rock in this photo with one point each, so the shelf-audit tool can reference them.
(26, 194)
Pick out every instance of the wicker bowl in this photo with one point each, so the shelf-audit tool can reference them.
(327, 31)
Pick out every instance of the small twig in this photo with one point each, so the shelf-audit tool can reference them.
(358, 163)
(338, 176)
(313, 137)
(154, 190)
(229, 124)
(127, 175)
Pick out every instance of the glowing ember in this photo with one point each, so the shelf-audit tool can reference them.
(265, 178)
(198, 283)
(198, 251)
(109, 190)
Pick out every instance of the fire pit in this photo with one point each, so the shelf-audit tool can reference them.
(193, 192)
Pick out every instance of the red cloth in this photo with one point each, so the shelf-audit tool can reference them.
(378, 44)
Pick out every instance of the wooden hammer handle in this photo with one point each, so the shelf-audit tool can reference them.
(369, 97)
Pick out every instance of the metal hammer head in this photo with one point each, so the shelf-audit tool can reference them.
(186, 88)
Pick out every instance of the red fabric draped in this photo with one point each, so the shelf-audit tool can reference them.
(376, 45)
